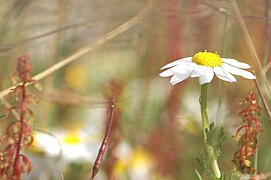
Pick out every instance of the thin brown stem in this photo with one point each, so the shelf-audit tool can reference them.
(263, 99)
(268, 32)
(251, 47)
(104, 144)
(83, 51)
(266, 68)
(246, 34)
(43, 35)
(225, 12)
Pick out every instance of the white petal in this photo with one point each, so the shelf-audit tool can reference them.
(207, 76)
(181, 72)
(223, 74)
(166, 73)
(235, 63)
(197, 70)
(180, 61)
(180, 69)
(237, 71)
(179, 78)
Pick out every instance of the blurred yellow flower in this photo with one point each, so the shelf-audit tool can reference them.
(76, 76)
(140, 160)
(137, 163)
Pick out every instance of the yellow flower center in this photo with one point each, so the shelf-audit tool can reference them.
(72, 139)
(207, 59)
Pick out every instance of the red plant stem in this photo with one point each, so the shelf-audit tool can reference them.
(104, 144)
(22, 115)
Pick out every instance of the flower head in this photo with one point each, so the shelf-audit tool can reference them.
(204, 65)
(77, 147)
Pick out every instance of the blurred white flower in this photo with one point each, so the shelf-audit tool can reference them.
(136, 163)
(51, 152)
(77, 147)
(46, 144)
(204, 65)
(45, 153)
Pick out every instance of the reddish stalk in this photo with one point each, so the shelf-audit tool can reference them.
(22, 115)
(18, 134)
(247, 135)
(112, 90)
(104, 144)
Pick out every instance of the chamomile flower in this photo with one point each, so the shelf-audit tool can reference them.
(45, 144)
(77, 146)
(204, 65)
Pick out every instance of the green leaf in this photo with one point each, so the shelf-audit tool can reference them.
(215, 138)
(198, 175)
(1, 116)
(202, 160)
(221, 137)
(212, 126)
(210, 133)
(229, 176)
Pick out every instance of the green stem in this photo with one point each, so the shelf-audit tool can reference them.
(256, 157)
(205, 125)
(203, 106)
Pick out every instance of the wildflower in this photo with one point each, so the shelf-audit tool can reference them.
(77, 146)
(45, 144)
(75, 75)
(44, 153)
(204, 65)
(137, 163)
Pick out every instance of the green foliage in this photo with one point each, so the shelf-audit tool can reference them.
(198, 175)
(203, 162)
(234, 175)
(215, 138)
(1, 116)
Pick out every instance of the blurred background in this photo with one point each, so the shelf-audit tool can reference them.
(156, 132)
